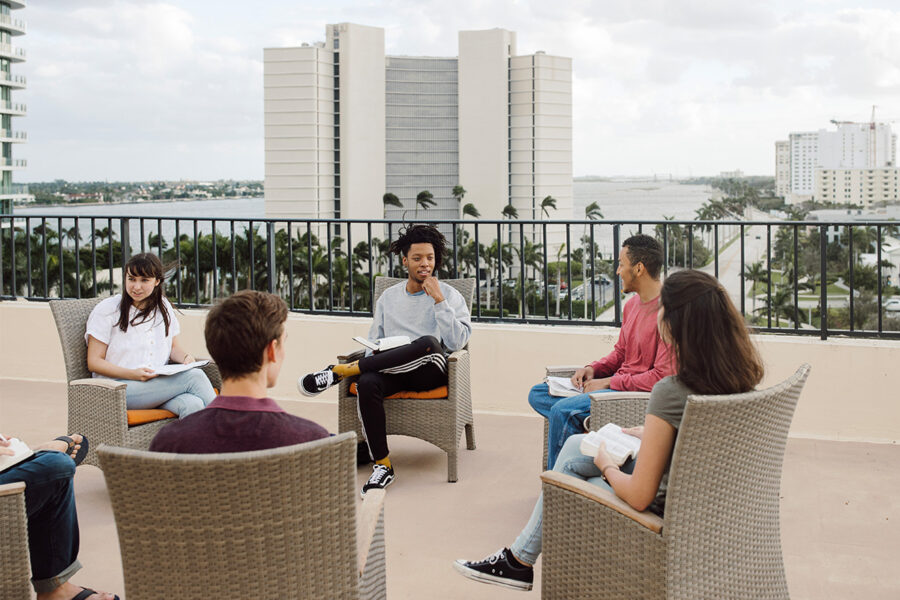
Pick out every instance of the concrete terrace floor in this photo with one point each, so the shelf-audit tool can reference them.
(840, 507)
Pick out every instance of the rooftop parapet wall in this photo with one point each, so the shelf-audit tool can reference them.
(851, 394)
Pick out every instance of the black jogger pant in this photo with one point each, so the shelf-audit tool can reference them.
(417, 366)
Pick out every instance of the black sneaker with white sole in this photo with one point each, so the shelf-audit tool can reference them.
(380, 478)
(500, 568)
(318, 382)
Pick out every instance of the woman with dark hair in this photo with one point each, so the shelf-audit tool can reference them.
(713, 354)
(131, 335)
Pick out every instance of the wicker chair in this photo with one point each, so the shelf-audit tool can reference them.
(720, 537)
(15, 570)
(97, 406)
(437, 421)
(278, 524)
(625, 409)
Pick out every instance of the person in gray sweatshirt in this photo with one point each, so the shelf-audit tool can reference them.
(432, 314)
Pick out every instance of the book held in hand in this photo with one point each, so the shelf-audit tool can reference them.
(620, 446)
(21, 452)
(562, 387)
(385, 343)
(174, 368)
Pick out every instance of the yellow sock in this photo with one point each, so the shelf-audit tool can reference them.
(386, 461)
(347, 370)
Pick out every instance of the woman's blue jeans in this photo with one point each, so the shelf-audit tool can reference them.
(571, 461)
(52, 521)
(183, 393)
(565, 416)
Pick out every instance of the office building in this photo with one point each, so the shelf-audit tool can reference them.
(10, 55)
(853, 149)
(345, 123)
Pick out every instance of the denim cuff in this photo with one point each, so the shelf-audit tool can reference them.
(45, 586)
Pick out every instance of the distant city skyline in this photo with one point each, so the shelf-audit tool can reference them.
(137, 90)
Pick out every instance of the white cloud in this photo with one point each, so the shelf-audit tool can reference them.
(141, 89)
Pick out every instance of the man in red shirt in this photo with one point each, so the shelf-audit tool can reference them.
(638, 360)
(245, 335)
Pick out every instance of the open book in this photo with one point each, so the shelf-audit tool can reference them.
(620, 446)
(22, 451)
(384, 343)
(178, 368)
(562, 386)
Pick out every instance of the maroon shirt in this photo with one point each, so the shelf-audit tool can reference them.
(236, 424)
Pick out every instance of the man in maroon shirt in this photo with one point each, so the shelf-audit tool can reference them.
(245, 336)
(638, 360)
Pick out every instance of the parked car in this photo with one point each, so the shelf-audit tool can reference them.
(892, 305)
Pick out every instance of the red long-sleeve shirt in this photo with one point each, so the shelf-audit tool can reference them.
(640, 358)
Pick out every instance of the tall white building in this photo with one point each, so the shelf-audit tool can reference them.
(10, 28)
(852, 147)
(344, 124)
(782, 168)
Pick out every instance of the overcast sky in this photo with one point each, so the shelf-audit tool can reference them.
(137, 90)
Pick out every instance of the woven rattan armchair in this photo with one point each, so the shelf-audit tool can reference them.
(625, 409)
(282, 524)
(438, 421)
(720, 537)
(15, 570)
(97, 406)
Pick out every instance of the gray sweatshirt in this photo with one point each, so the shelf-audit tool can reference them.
(398, 312)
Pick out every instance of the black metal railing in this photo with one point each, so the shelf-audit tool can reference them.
(792, 277)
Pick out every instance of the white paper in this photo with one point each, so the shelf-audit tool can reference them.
(620, 446)
(22, 451)
(562, 386)
(178, 368)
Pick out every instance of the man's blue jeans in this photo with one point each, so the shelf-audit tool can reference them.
(565, 416)
(52, 521)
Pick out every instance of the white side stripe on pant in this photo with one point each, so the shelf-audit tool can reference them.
(437, 358)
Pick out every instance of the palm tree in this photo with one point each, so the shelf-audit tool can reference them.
(549, 202)
(510, 212)
(558, 280)
(591, 213)
(459, 192)
(754, 272)
(425, 200)
(470, 210)
(390, 199)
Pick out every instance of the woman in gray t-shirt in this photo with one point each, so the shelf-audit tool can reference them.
(711, 348)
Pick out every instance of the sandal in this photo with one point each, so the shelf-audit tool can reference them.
(78, 458)
(85, 593)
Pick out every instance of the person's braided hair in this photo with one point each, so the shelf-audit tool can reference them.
(421, 234)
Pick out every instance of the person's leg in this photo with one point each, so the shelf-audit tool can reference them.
(182, 393)
(566, 418)
(540, 399)
(406, 359)
(53, 538)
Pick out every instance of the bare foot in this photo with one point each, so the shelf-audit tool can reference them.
(67, 591)
(61, 446)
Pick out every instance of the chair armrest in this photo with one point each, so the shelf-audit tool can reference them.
(8, 489)
(603, 497)
(212, 373)
(350, 356)
(455, 356)
(561, 370)
(109, 384)
(370, 511)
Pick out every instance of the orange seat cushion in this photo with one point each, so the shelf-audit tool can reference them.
(435, 394)
(141, 417)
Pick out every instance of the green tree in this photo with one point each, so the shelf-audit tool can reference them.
(424, 200)
(390, 199)
(470, 210)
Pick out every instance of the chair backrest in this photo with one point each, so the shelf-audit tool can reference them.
(15, 570)
(465, 286)
(71, 320)
(721, 520)
(277, 523)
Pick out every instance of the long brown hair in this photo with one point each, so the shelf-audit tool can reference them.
(708, 337)
(144, 265)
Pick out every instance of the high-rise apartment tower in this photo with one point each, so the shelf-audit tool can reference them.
(345, 124)
(10, 28)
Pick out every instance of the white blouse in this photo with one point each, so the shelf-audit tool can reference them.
(143, 345)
